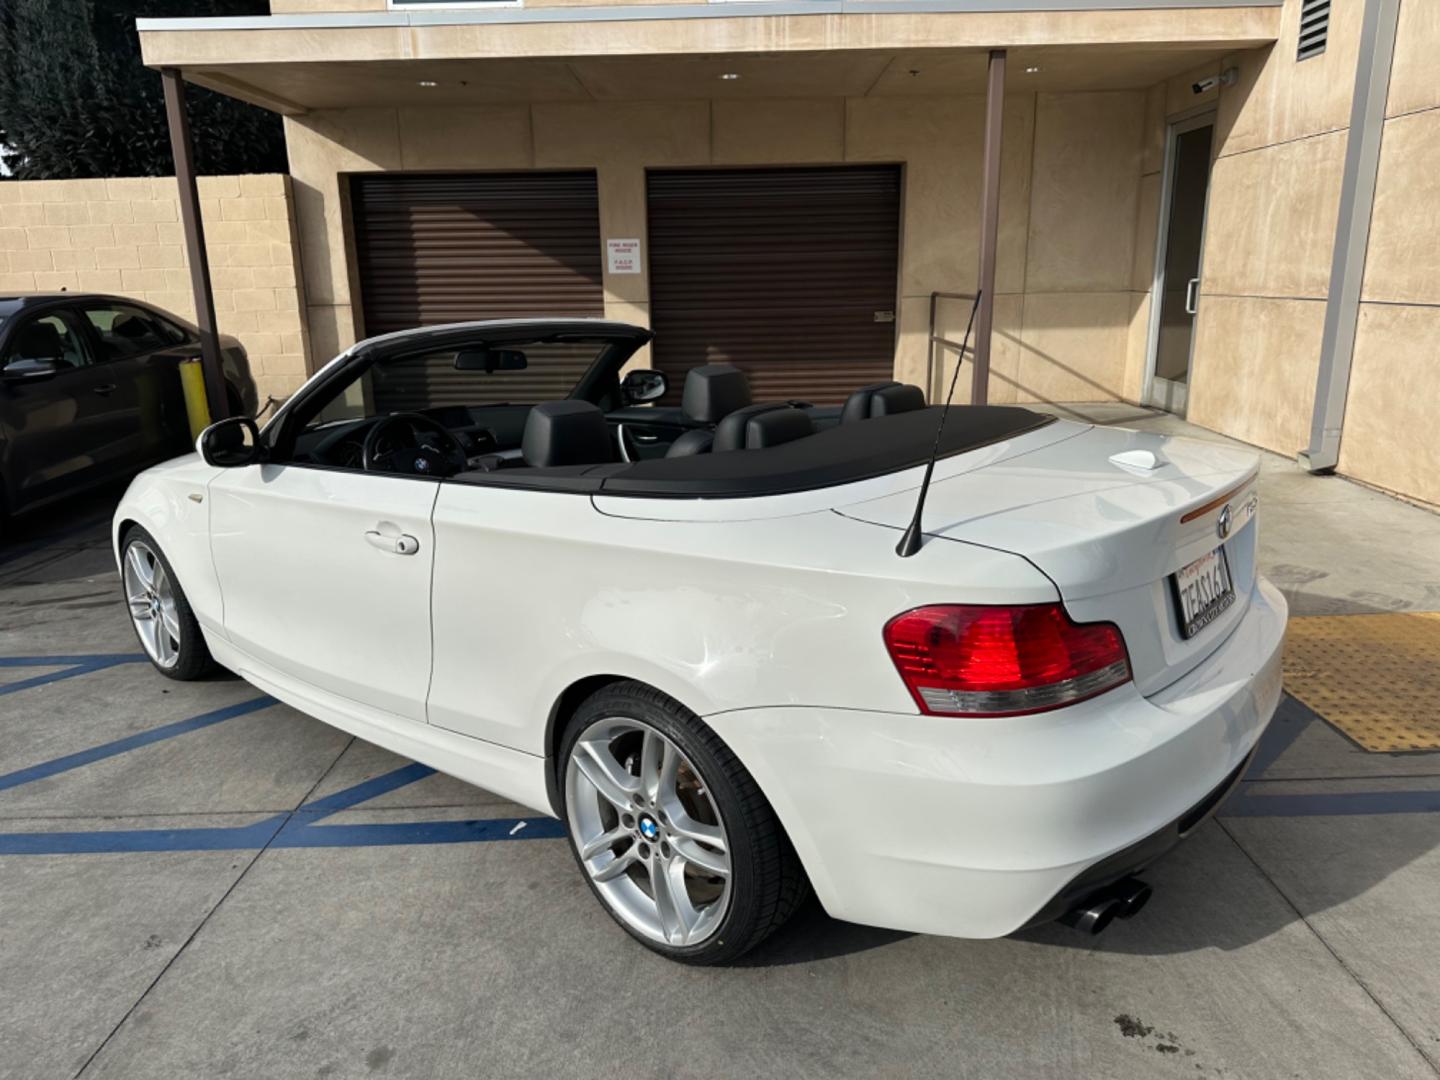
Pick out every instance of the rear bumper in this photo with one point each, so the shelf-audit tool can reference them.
(975, 828)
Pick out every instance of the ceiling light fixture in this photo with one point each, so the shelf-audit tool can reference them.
(1031, 70)
(427, 82)
(730, 76)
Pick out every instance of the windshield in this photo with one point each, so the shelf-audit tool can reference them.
(518, 374)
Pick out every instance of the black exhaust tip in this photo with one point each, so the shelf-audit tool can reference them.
(1133, 894)
(1123, 900)
(1094, 917)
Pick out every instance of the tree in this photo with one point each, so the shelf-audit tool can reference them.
(76, 101)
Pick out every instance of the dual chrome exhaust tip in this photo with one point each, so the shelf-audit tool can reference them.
(1122, 900)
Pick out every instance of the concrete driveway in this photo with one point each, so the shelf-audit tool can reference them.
(198, 882)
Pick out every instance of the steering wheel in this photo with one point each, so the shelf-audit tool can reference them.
(415, 458)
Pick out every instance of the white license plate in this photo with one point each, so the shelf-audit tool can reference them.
(1202, 591)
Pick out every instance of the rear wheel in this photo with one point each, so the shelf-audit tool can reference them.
(159, 611)
(672, 833)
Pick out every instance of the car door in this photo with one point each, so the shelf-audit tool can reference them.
(142, 357)
(64, 421)
(325, 578)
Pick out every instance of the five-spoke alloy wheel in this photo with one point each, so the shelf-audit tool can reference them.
(648, 832)
(159, 611)
(671, 832)
(152, 604)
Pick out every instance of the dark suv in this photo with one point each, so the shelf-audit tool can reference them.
(90, 391)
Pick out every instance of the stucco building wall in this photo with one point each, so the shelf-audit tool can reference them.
(1270, 230)
(123, 237)
(1389, 435)
(1070, 192)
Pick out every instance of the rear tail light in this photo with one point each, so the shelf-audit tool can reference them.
(982, 660)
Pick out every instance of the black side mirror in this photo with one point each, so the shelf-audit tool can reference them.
(227, 444)
(644, 384)
(28, 368)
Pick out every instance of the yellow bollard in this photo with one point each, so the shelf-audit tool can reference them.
(197, 408)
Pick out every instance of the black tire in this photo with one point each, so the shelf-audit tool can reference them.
(767, 882)
(194, 660)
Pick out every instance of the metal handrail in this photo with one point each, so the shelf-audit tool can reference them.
(935, 297)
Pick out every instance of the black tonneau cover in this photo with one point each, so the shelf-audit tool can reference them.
(837, 455)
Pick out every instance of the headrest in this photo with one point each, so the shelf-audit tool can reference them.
(565, 433)
(777, 426)
(39, 341)
(881, 399)
(128, 326)
(714, 391)
(759, 426)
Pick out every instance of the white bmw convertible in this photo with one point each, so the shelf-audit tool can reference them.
(686, 630)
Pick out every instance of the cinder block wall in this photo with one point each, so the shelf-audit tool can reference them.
(123, 237)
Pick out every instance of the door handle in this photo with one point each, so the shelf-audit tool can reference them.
(1192, 295)
(106, 389)
(397, 543)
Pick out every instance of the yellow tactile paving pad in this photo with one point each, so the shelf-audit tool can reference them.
(1375, 677)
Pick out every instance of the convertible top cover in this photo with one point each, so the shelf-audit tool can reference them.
(838, 455)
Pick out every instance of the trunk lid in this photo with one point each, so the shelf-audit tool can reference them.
(1108, 516)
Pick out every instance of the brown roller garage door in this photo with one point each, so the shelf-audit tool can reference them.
(450, 247)
(789, 273)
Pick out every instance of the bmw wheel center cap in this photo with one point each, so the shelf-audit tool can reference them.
(648, 828)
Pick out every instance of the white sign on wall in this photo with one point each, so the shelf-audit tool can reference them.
(623, 256)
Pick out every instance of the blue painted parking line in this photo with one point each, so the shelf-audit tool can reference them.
(73, 666)
(300, 828)
(366, 790)
(293, 829)
(114, 841)
(292, 833)
(130, 742)
(476, 830)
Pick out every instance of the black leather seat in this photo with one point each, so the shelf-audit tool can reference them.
(881, 399)
(757, 427)
(566, 433)
(712, 392)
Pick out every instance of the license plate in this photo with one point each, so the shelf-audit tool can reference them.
(1202, 591)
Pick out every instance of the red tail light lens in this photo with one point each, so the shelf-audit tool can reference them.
(982, 660)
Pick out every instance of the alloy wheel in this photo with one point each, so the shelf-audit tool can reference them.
(648, 832)
(151, 597)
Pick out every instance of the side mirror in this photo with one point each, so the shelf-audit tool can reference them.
(29, 368)
(227, 444)
(644, 384)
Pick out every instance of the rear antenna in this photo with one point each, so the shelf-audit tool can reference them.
(910, 541)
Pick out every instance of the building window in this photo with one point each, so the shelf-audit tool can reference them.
(1314, 28)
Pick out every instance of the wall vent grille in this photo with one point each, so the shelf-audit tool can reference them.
(1314, 28)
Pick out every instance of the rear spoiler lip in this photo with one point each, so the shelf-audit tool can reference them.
(1219, 500)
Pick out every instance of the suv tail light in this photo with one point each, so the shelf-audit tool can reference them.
(983, 660)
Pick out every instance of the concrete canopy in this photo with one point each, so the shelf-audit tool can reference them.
(292, 64)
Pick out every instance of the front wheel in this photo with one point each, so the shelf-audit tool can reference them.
(159, 611)
(672, 833)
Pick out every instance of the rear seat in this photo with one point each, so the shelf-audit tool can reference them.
(881, 399)
(757, 427)
(712, 392)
